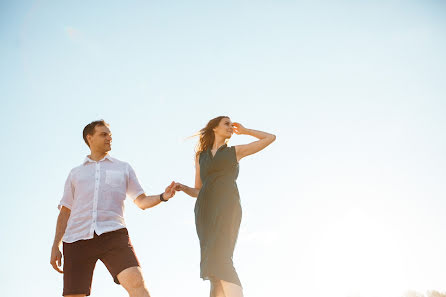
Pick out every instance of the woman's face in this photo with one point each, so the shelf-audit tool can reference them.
(224, 128)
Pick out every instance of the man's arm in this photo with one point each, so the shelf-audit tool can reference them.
(56, 255)
(144, 202)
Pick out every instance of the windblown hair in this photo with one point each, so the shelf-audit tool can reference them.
(89, 129)
(207, 136)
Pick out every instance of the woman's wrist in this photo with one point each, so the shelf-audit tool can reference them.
(246, 131)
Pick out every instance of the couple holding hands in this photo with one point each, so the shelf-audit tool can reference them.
(91, 223)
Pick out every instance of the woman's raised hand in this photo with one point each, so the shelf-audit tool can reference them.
(238, 128)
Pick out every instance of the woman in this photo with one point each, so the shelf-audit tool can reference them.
(217, 210)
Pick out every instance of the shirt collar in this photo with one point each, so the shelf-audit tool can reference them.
(107, 156)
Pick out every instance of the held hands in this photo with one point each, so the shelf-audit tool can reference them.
(193, 192)
(56, 259)
(238, 128)
(170, 191)
(178, 187)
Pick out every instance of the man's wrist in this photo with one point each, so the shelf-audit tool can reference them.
(162, 197)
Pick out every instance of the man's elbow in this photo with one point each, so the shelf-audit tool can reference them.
(139, 201)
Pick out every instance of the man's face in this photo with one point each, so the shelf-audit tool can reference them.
(101, 140)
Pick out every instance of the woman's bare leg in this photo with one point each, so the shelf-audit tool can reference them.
(217, 289)
(231, 289)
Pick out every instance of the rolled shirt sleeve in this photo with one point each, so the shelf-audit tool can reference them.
(134, 189)
(68, 194)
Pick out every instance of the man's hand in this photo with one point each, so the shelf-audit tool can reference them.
(170, 191)
(56, 258)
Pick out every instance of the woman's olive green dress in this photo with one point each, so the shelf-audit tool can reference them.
(218, 214)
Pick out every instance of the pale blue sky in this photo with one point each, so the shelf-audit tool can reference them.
(348, 201)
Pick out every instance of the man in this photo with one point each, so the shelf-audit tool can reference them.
(91, 223)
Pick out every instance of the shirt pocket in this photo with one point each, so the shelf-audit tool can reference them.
(114, 178)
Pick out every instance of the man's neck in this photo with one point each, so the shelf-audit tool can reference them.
(96, 156)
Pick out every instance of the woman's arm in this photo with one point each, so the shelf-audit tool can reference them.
(193, 192)
(244, 150)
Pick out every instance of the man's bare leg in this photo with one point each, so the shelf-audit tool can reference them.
(132, 280)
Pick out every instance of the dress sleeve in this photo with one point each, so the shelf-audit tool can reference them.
(68, 193)
(134, 189)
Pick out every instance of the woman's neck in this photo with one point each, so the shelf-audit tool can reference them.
(218, 143)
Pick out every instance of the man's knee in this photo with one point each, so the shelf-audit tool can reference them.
(131, 278)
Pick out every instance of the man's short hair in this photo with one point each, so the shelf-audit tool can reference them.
(89, 129)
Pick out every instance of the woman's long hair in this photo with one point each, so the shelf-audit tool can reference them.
(207, 135)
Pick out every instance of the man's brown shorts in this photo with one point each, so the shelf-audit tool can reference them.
(114, 249)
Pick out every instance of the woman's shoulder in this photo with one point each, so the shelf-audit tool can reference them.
(201, 155)
(233, 152)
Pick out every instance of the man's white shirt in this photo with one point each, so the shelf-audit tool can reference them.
(95, 194)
